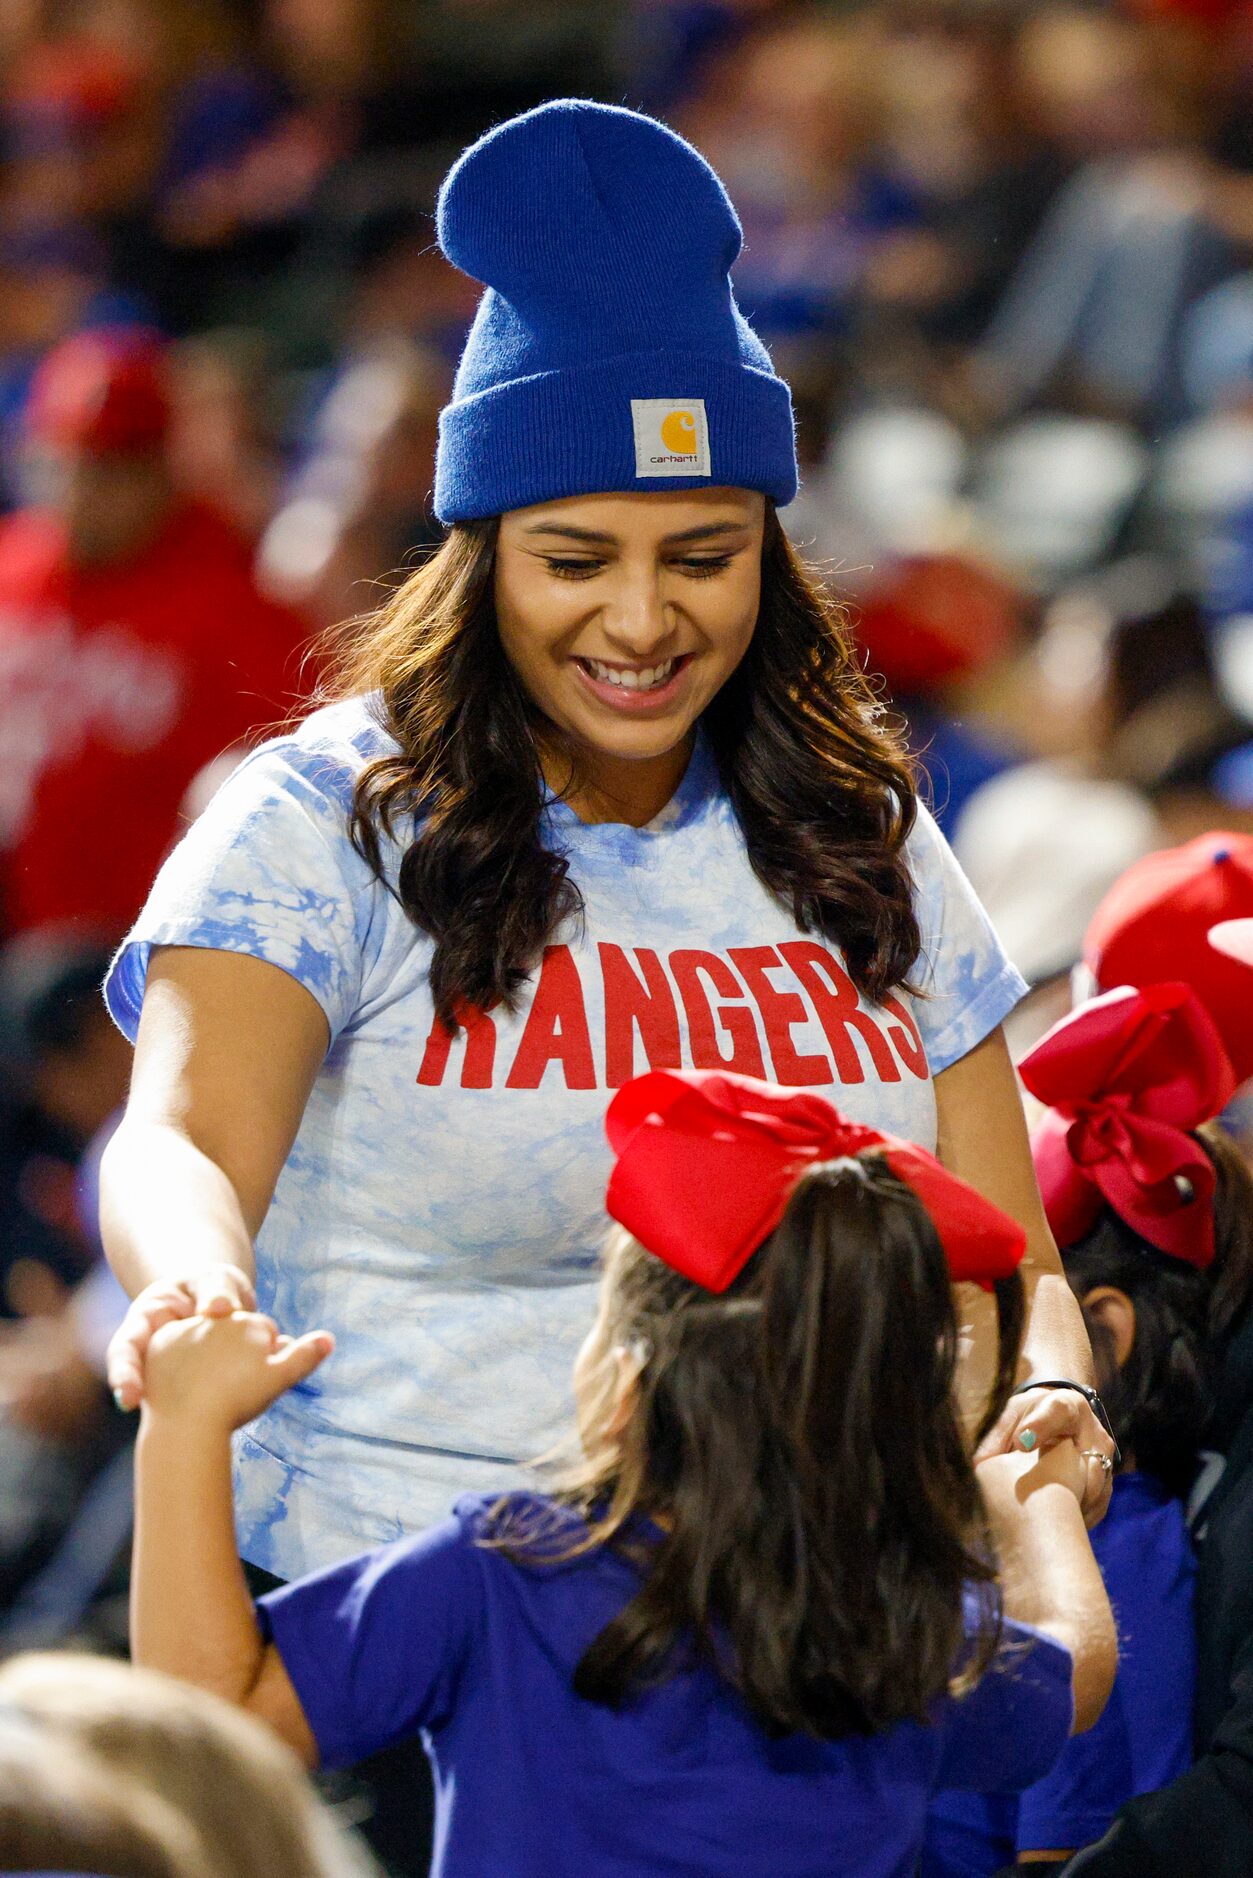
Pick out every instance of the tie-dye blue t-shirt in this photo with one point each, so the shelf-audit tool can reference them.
(442, 1208)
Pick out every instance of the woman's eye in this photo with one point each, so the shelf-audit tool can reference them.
(700, 567)
(572, 570)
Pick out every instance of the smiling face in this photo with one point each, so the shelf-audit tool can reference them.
(623, 615)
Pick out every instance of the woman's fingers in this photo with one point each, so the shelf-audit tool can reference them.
(1047, 1416)
(1098, 1486)
(213, 1293)
(221, 1290)
(1054, 1415)
(1042, 1418)
(128, 1346)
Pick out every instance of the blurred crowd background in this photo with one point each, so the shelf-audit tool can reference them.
(1003, 249)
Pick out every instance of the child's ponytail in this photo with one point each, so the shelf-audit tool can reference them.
(798, 1440)
(859, 1359)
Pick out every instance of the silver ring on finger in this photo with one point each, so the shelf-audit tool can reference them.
(1095, 1454)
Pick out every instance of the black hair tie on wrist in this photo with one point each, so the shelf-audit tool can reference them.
(1081, 1388)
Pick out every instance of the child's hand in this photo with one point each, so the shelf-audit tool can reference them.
(224, 1370)
(1062, 1465)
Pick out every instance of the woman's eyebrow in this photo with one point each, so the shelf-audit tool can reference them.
(571, 533)
(706, 531)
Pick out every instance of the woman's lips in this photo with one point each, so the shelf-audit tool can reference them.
(635, 701)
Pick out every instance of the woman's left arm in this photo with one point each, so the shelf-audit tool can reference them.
(982, 1137)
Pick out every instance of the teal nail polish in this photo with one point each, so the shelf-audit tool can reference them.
(124, 1406)
(1028, 1439)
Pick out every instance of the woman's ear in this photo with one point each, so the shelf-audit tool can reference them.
(1114, 1310)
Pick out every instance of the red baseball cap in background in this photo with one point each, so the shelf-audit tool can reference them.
(100, 391)
(1155, 922)
(936, 617)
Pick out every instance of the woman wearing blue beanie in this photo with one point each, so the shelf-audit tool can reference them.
(603, 789)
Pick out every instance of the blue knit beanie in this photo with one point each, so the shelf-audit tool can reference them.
(608, 352)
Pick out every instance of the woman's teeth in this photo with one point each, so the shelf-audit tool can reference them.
(646, 678)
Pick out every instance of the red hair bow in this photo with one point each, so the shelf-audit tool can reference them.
(707, 1162)
(1126, 1078)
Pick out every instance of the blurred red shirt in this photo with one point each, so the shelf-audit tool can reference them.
(117, 684)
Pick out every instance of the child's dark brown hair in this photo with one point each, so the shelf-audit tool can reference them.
(797, 1441)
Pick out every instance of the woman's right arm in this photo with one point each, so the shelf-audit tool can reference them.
(1049, 1576)
(226, 1056)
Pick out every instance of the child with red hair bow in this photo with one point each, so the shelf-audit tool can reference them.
(761, 1618)
(1152, 1209)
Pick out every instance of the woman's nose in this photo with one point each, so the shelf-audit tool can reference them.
(637, 618)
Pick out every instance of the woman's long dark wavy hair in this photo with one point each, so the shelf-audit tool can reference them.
(1161, 1398)
(821, 787)
(797, 1441)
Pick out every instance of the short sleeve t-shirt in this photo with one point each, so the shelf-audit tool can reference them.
(442, 1208)
(442, 1635)
(1143, 1738)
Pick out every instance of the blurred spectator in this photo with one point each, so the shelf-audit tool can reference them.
(65, 1080)
(64, 1809)
(370, 283)
(133, 641)
(401, 289)
(1162, 721)
(1121, 684)
(955, 132)
(1092, 317)
(670, 43)
(228, 1776)
(360, 506)
(81, 130)
(1203, 488)
(53, 281)
(787, 119)
(934, 627)
(260, 107)
(223, 445)
(64, 1076)
(1133, 733)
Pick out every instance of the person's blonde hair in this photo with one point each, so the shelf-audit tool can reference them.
(63, 1809)
(243, 1791)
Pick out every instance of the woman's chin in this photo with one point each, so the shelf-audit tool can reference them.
(636, 741)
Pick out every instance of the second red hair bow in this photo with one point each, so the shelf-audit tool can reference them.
(1126, 1078)
(707, 1162)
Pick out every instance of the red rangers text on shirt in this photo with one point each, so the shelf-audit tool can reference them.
(789, 985)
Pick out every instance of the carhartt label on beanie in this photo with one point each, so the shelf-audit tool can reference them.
(671, 436)
(607, 352)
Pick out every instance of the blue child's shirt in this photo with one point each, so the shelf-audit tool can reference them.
(1144, 1736)
(442, 1207)
(442, 1635)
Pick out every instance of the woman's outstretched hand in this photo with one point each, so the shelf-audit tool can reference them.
(214, 1292)
(220, 1372)
(1047, 1417)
